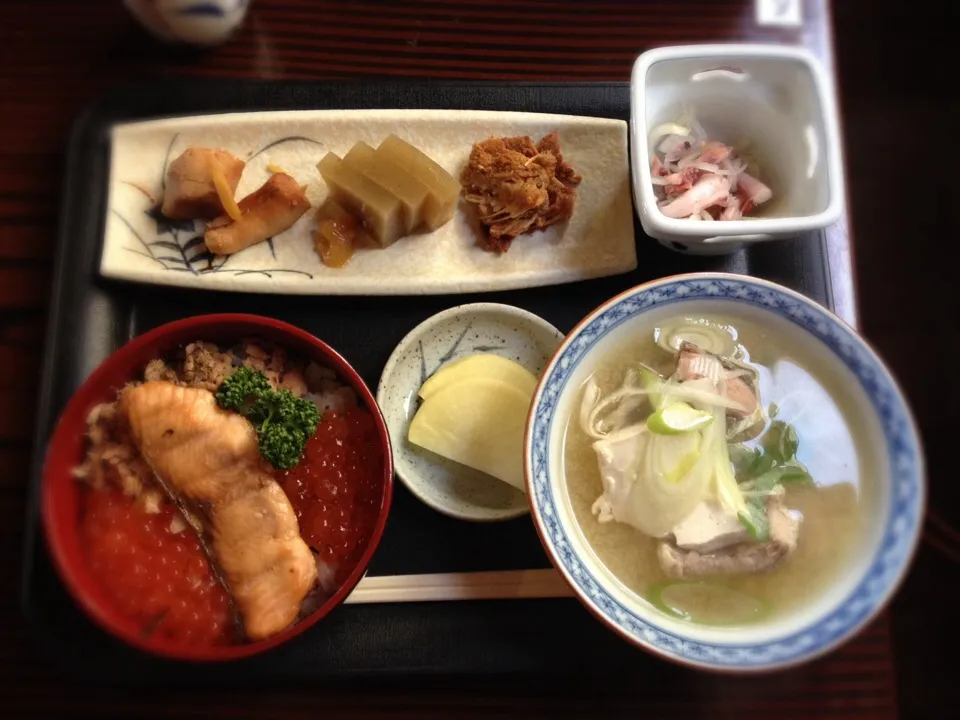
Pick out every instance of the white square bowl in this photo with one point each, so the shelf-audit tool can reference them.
(780, 99)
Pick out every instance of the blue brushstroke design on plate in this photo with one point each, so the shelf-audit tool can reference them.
(906, 494)
(192, 255)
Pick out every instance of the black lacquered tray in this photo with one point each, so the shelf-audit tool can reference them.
(91, 317)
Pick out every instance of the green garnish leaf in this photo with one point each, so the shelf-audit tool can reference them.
(789, 444)
(744, 459)
(773, 410)
(765, 463)
(781, 442)
(763, 470)
(755, 519)
(795, 472)
(768, 481)
(283, 421)
(791, 473)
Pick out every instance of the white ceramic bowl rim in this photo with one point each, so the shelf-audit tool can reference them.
(907, 489)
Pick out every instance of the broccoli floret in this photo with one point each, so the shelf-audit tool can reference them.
(242, 389)
(301, 412)
(281, 445)
(282, 406)
(283, 421)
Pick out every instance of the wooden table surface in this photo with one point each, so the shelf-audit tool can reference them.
(59, 55)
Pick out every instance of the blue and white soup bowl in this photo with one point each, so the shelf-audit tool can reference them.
(890, 527)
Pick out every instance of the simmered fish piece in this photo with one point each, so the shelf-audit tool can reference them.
(266, 212)
(189, 191)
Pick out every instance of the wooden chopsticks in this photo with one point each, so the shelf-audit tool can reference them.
(440, 587)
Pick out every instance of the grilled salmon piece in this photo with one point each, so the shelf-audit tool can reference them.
(208, 459)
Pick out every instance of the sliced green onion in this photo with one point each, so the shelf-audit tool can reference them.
(650, 381)
(705, 603)
(705, 334)
(678, 418)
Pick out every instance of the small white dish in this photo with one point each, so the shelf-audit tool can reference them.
(447, 486)
(780, 99)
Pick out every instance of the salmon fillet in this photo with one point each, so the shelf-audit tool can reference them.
(209, 457)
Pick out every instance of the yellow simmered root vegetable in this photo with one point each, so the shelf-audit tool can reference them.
(474, 412)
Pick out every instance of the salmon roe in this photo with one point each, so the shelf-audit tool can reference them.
(159, 578)
(337, 487)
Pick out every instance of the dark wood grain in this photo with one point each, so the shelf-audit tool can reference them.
(60, 54)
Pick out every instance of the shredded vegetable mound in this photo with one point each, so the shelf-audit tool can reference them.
(518, 187)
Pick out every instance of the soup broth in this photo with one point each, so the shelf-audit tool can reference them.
(832, 508)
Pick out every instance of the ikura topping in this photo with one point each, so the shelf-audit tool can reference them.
(158, 577)
(335, 490)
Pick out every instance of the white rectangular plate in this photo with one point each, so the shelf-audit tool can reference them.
(139, 245)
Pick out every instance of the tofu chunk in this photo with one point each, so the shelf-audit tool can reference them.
(709, 528)
(267, 211)
(744, 557)
(189, 192)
